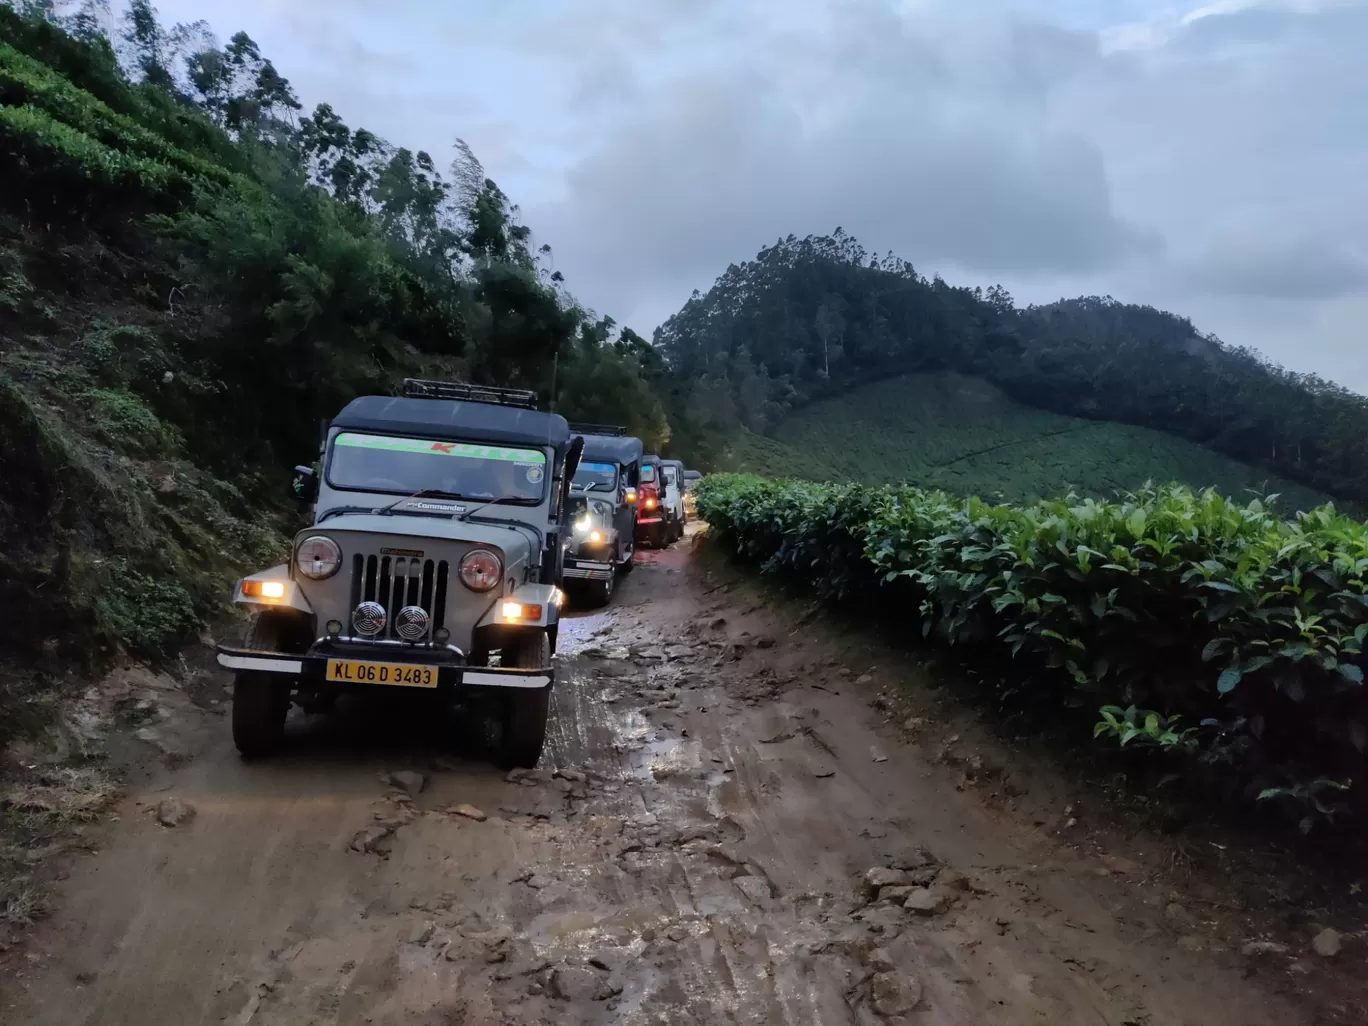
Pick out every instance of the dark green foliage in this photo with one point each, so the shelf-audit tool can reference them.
(1243, 629)
(814, 317)
(146, 613)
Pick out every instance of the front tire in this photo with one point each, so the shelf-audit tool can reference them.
(525, 710)
(601, 592)
(261, 701)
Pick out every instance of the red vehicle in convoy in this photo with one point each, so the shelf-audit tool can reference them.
(650, 523)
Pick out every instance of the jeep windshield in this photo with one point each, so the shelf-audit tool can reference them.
(403, 466)
(602, 477)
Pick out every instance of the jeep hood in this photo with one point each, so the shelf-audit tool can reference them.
(508, 538)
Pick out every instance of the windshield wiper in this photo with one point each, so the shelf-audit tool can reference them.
(338, 511)
(421, 493)
(484, 505)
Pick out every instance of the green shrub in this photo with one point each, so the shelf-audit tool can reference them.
(129, 424)
(1218, 613)
(147, 614)
(41, 138)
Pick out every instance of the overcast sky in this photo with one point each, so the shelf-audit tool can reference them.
(1209, 159)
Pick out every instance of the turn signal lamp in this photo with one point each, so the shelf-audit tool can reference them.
(521, 611)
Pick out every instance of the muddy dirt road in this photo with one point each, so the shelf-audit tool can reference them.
(703, 854)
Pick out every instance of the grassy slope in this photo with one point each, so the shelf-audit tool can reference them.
(112, 532)
(963, 435)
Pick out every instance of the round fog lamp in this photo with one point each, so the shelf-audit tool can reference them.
(368, 619)
(334, 627)
(442, 635)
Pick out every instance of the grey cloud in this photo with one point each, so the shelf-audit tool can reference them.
(904, 143)
(1044, 56)
(1270, 24)
(1268, 269)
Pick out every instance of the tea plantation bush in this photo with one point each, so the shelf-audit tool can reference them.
(1216, 632)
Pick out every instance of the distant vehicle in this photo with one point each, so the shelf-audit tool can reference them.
(651, 527)
(436, 547)
(674, 497)
(691, 478)
(603, 493)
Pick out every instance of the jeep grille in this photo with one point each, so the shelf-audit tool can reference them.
(396, 582)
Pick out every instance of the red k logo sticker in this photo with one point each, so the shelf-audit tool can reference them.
(445, 447)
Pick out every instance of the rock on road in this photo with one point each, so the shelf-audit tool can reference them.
(722, 832)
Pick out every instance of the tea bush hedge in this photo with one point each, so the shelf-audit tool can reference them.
(1215, 631)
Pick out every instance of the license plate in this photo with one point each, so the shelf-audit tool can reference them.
(352, 671)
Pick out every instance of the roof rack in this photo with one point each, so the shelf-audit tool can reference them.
(598, 429)
(463, 391)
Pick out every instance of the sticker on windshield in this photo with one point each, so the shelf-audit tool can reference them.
(534, 474)
(421, 445)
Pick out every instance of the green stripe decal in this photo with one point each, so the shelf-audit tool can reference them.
(423, 445)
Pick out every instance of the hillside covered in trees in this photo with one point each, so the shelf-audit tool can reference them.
(194, 272)
(815, 317)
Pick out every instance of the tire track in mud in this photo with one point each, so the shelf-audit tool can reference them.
(710, 842)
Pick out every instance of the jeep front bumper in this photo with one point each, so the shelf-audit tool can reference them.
(577, 568)
(313, 668)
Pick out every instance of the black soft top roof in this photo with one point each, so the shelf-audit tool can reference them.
(451, 419)
(655, 461)
(612, 449)
(675, 463)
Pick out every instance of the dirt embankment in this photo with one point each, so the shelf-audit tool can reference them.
(726, 830)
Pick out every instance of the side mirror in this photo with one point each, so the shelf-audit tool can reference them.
(305, 484)
(630, 496)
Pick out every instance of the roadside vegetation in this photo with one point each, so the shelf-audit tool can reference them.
(1219, 638)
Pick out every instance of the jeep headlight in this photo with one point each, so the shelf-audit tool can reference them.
(318, 558)
(481, 570)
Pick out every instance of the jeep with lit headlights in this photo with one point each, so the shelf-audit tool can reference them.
(433, 563)
(601, 543)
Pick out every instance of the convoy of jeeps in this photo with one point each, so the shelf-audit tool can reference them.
(448, 527)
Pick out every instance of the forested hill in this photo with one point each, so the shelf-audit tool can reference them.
(193, 272)
(814, 317)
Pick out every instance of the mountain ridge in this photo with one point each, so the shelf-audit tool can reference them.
(812, 318)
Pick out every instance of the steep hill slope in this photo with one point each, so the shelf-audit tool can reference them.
(966, 436)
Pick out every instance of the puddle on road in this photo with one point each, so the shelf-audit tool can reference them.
(576, 630)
